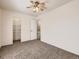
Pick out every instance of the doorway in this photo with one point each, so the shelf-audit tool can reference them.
(38, 30)
(16, 30)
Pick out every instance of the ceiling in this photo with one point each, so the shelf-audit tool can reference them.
(20, 5)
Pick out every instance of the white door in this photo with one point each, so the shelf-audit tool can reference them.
(33, 29)
(25, 29)
(7, 29)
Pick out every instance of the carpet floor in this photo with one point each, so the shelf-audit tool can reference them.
(34, 49)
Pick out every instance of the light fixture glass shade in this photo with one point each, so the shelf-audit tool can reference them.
(35, 9)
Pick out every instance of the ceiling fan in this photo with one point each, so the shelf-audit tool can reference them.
(37, 6)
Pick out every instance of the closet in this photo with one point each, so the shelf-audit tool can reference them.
(16, 26)
(17, 30)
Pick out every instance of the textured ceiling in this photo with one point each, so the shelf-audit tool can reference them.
(20, 5)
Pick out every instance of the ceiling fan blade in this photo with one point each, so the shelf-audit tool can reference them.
(32, 2)
(28, 7)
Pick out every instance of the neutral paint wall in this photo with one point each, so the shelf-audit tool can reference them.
(7, 26)
(60, 27)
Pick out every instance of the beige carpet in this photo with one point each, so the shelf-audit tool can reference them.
(34, 50)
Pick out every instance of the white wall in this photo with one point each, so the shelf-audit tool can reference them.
(7, 26)
(0, 27)
(60, 27)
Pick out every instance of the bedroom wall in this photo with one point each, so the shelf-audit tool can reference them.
(7, 26)
(60, 27)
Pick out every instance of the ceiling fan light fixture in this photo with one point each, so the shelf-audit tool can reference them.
(37, 6)
(36, 9)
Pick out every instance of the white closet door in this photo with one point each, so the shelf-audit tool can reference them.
(25, 29)
(33, 29)
(7, 29)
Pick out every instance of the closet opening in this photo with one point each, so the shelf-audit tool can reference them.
(38, 30)
(16, 30)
